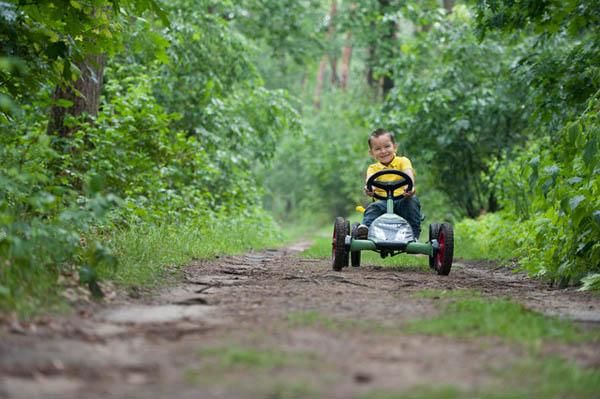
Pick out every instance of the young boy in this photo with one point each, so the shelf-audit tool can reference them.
(382, 147)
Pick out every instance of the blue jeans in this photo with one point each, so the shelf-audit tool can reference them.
(409, 208)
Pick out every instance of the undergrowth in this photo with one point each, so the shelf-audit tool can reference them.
(142, 255)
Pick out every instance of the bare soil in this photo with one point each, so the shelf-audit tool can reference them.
(271, 324)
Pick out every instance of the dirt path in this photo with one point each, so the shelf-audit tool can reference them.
(274, 325)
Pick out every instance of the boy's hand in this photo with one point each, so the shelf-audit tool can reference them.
(367, 192)
(409, 193)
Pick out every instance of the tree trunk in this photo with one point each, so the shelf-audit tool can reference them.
(331, 35)
(323, 63)
(370, 57)
(346, 57)
(378, 50)
(387, 85)
(319, 83)
(335, 80)
(84, 94)
(449, 5)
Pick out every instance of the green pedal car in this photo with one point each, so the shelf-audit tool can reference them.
(390, 234)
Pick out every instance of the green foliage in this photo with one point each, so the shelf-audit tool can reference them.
(563, 53)
(318, 170)
(553, 187)
(287, 39)
(591, 282)
(144, 163)
(42, 219)
(288, 28)
(547, 17)
(43, 40)
(490, 236)
(453, 115)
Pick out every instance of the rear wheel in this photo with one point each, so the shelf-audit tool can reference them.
(434, 230)
(354, 255)
(445, 253)
(339, 255)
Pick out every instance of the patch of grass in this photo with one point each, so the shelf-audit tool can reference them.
(321, 248)
(313, 318)
(489, 237)
(243, 370)
(232, 357)
(550, 378)
(447, 294)
(420, 392)
(292, 390)
(146, 252)
(468, 316)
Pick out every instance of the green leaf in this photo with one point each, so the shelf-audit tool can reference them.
(590, 151)
(552, 170)
(63, 103)
(87, 274)
(573, 131)
(575, 201)
(596, 216)
(76, 5)
(56, 50)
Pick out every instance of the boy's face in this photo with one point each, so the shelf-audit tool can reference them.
(383, 149)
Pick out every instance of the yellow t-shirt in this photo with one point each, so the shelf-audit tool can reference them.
(398, 163)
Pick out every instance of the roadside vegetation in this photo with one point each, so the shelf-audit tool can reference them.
(138, 135)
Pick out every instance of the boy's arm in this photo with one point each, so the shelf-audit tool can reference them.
(367, 192)
(410, 174)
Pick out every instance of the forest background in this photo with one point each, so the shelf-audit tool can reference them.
(139, 134)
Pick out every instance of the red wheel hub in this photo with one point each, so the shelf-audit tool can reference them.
(440, 253)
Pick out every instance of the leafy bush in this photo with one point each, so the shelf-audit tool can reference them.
(490, 236)
(62, 197)
(452, 114)
(43, 219)
(554, 188)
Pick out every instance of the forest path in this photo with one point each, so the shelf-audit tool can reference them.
(271, 324)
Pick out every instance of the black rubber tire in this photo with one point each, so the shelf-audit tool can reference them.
(354, 255)
(339, 255)
(443, 260)
(434, 230)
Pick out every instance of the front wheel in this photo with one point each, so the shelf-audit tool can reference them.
(442, 261)
(434, 231)
(339, 255)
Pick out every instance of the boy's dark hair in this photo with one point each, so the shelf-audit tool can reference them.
(380, 132)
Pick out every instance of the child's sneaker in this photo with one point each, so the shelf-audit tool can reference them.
(362, 232)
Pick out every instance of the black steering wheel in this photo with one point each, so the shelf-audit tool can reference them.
(389, 186)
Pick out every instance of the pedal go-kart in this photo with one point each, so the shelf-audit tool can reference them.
(390, 234)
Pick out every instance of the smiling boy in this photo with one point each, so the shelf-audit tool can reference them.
(383, 147)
